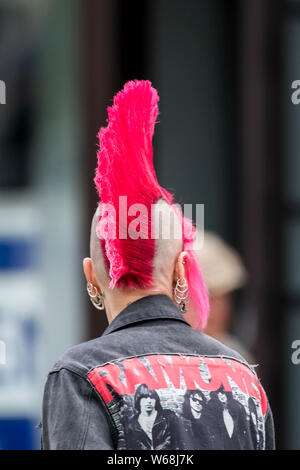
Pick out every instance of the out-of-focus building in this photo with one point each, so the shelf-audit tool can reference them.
(41, 309)
(223, 273)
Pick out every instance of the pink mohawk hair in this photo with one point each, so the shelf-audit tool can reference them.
(125, 168)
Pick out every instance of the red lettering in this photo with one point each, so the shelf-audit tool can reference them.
(137, 373)
(109, 374)
(160, 364)
(193, 378)
(234, 371)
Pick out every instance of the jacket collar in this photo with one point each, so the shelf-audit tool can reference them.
(147, 308)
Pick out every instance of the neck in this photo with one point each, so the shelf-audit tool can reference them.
(147, 414)
(115, 302)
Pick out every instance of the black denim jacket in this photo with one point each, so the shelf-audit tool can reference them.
(152, 382)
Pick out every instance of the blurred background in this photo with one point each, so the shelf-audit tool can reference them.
(228, 138)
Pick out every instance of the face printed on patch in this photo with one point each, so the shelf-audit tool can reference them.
(196, 402)
(145, 388)
(147, 405)
(222, 397)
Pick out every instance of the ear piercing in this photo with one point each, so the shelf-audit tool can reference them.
(181, 294)
(95, 297)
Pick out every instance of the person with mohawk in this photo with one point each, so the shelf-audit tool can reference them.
(147, 382)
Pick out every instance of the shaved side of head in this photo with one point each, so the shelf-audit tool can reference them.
(168, 243)
(98, 261)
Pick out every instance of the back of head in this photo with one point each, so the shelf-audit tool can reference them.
(130, 251)
(167, 233)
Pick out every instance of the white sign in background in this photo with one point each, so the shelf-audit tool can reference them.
(20, 330)
(21, 313)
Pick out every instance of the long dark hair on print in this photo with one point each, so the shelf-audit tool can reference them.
(144, 392)
(186, 408)
(218, 403)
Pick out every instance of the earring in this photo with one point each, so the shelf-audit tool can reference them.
(95, 297)
(181, 294)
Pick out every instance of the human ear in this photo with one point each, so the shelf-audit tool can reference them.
(89, 272)
(179, 271)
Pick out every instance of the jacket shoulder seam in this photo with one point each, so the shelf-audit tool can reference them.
(75, 370)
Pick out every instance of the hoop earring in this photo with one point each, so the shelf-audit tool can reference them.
(181, 294)
(95, 297)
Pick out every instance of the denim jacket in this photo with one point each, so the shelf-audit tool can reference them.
(153, 382)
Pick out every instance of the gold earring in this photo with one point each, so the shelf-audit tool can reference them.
(95, 297)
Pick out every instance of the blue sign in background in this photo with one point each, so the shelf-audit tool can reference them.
(19, 434)
(17, 253)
